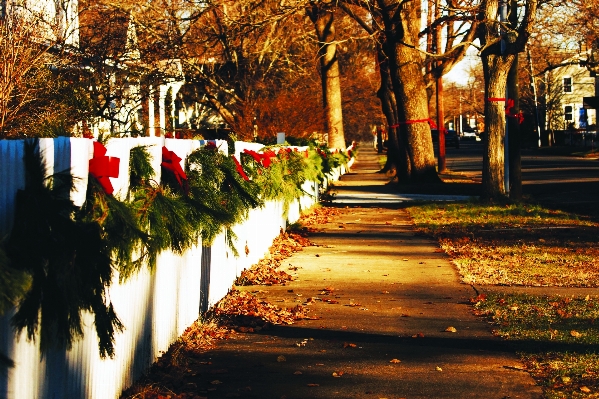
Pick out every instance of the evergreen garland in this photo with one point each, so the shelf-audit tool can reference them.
(120, 228)
(68, 261)
(219, 196)
(163, 214)
(70, 269)
(284, 175)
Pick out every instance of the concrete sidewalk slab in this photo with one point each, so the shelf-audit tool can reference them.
(384, 299)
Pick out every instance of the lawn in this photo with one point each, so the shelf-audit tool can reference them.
(527, 245)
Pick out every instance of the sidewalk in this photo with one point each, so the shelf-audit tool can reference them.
(384, 298)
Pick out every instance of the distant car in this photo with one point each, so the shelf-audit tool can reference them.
(452, 139)
(469, 135)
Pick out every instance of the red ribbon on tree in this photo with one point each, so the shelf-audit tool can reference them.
(508, 108)
(411, 121)
(172, 162)
(103, 167)
(510, 114)
(240, 168)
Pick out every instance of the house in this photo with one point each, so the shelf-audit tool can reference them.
(567, 88)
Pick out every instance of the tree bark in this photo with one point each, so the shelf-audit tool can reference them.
(495, 68)
(402, 24)
(498, 54)
(323, 20)
(514, 134)
(397, 155)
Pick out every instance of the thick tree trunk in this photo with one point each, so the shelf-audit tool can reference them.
(397, 156)
(331, 83)
(500, 46)
(402, 24)
(495, 68)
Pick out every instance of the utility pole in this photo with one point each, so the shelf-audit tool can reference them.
(533, 86)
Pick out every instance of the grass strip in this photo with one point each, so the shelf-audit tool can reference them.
(514, 244)
(557, 338)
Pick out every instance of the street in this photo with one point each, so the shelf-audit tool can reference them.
(565, 182)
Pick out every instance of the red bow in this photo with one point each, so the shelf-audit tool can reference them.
(172, 162)
(240, 168)
(103, 168)
(510, 114)
(263, 159)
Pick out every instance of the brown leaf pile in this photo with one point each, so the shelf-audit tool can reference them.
(244, 312)
(265, 271)
(319, 216)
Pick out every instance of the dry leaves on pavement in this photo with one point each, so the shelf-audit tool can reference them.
(266, 272)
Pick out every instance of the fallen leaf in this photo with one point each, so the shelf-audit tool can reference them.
(566, 379)
(336, 375)
(479, 298)
(585, 389)
(405, 259)
(395, 361)
(438, 368)
(575, 334)
(348, 345)
(281, 359)
(385, 292)
(514, 308)
(419, 335)
(451, 329)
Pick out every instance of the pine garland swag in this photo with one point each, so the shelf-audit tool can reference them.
(220, 197)
(121, 232)
(68, 261)
(164, 215)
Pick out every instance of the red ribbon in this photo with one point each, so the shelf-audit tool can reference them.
(510, 114)
(263, 159)
(508, 108)
(172, 162)
(411, 121)
(103, 167)
(240, 168)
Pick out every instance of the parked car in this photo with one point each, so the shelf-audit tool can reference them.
(469, 135)
(452, 139)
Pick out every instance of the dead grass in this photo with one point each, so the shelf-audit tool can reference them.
(514, 244)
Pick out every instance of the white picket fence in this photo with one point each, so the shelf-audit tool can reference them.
(155, 307)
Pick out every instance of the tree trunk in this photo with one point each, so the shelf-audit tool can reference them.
(323, 20)
(500, 46)
(514, 134)
(402, 25)
(495, 68)
(397, 156)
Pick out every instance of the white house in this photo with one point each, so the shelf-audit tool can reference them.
(568, 85)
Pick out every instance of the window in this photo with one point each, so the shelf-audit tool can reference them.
(568, 112)
(568, 85)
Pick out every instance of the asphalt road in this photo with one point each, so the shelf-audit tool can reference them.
(563, 182)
